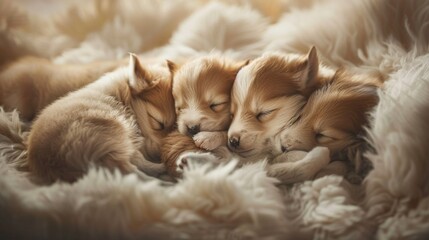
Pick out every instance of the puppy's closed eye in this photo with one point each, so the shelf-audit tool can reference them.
(330, 135)
(217, 107)
(324, 139)
(156, 124)
(264, 115)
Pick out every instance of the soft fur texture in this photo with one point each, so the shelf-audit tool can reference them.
(334, 117)
(30, 84)
(133, 103)
(202, 96)
(388, 37)
(267, 95)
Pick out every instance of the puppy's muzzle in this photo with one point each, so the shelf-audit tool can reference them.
(192, 130)
(234, 142)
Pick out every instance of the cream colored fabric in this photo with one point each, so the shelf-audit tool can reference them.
(389, 37)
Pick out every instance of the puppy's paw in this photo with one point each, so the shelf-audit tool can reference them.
(181, 164)
(194, 159)
(319, 154)
(208, 140)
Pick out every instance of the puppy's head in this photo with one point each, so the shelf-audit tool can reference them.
(152, 102)
(266, 95)
(333, 117)
(202, 92)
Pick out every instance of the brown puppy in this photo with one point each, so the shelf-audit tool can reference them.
(116, 122)
(201, 90)
(30, 84)
(266, 95)
(330, 126)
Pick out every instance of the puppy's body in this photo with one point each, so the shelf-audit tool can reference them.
(201, 89)
(116, 122)
(30, 84)
(333, 118)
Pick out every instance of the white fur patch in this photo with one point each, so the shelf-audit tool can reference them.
(241, 87)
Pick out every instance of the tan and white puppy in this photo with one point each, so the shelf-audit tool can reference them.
(202, 94)
(267, 95)
(116, 122)
(330, 126)
(30, 83)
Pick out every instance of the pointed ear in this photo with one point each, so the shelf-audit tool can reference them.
(139, 78)
(241, 64)
(245, 62)
(172, 67)
(238, 66)
(311, 69)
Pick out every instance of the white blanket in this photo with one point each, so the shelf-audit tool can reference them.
(385, 36)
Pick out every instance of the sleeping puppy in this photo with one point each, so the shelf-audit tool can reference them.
(330, 126)
(116, 122)
(267, 94)
(30, 84)
(201, 90)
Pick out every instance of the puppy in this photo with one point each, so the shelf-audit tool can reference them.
(201, 90)
(267, 94)
(116, 122)
(30, 84)
(330, 126)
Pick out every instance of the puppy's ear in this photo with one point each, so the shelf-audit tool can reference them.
(139, 78)
(244, 63)
(236, 67)
(310, 70)
(241, 64)
(172, 67)
(366, 95)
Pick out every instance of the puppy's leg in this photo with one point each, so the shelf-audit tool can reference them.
(334, 168)
(146, 166)
(304, 169)
(292, 156)
(210, 140)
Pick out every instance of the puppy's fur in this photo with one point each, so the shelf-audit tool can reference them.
(30, 84)
(333, 118)
(266, 95)
(201, 90)
(116, 122)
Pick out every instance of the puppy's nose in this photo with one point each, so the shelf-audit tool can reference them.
(192, 130)
(284, 149)
(234, 142)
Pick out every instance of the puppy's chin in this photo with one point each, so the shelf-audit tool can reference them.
(255, 154)
(258, 149)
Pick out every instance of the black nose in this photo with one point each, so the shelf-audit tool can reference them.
(284, 149)
(193, 129)
(234, 142)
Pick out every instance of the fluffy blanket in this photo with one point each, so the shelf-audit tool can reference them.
(389, 37)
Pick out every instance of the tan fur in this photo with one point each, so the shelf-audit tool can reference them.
(201, 90)
(30, 84)
(333, 118)
(116, 122)
(178, 148)
(267, 94)
(197, 85)
(173, 145)
(334, 115)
